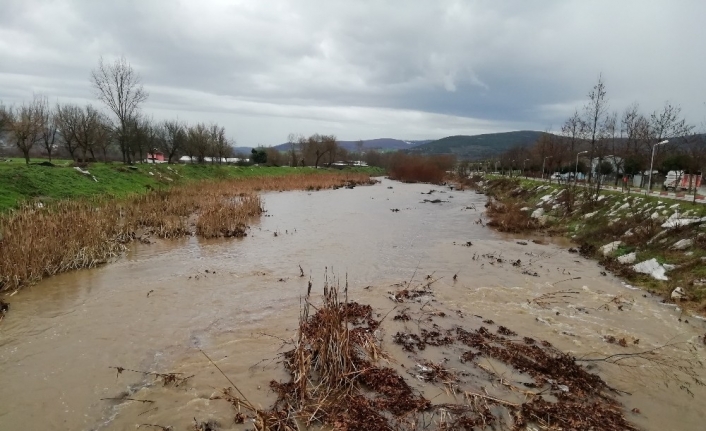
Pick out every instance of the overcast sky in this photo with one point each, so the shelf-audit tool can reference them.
(362, 69)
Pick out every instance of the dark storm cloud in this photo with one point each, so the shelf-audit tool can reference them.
(361, 69)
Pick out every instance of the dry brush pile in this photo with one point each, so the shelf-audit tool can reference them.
(336, 380)
(40, 241)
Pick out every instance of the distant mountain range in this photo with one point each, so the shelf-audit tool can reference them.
(478, 146)
(382, 144)
(463, 147)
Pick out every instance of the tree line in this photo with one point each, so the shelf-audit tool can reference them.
(86, 133)
(613, 142)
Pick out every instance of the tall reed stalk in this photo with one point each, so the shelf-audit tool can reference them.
(37, 242)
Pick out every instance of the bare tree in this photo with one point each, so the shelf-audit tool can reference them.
(88, 132)
(103, 135)
(172, 137)
(140, 138)
(292, 140)
(606, 147)
(119, 87)
(26, 125)
(49, 129)
(594, 112)
(68, 118)
(573, 130)
(220, 146)
(198, 142)
(668, 123)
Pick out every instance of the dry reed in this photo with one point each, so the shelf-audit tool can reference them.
(37, 242)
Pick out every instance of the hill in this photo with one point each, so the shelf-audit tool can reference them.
(382, 144)
(478, 146)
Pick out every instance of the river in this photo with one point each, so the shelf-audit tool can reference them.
(155, 307)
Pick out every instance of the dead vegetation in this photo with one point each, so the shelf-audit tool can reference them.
(336, 380)
(419, 169)
(40, 241)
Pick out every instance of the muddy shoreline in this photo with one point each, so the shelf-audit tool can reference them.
(237, 300)
(657, 245)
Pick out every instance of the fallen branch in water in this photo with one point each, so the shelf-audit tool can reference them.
(167, 378)
(128, 399)
(550, 298)
(679, 369)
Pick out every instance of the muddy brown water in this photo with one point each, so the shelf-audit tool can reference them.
(157, 306)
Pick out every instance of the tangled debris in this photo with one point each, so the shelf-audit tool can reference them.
(336, 379)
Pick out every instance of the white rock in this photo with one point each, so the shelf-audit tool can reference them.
(539, 212)
(682, 222)
(683, 244)
(678, 294)
(81, 170)
(627, 258)
(610, 247)
(601, 197)
(674, 206)
(589, 215)
(651, 267)
(628, 233)
(624, 206)
(525, 209)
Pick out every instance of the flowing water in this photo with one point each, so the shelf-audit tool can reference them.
(158, 306)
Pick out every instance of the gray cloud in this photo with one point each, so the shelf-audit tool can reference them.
(361, 69)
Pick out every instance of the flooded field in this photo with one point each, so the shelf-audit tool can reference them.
(238, 300)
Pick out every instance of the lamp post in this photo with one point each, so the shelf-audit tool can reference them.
(523, 168)
(512, 168)
(649, 183)
(543, 162)
(576, 172)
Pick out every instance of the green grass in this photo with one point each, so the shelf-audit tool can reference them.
(20, 182)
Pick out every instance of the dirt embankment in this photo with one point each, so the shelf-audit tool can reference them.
(659, 245)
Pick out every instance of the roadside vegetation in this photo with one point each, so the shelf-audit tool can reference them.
(602, 146)
(39, 240)
(656, 244)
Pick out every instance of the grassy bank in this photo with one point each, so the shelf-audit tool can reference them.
(42, 240)
(20, 182)
(618, 230)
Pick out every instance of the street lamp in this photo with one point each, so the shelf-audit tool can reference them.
(543, 162)
(576, 172)
(649, 184)
(523, 168)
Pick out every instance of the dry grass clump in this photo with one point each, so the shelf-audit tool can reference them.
(227, 218)
(508, 216)
(420, 169)
(40, 241)
(333, 379)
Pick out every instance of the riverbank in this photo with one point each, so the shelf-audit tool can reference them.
(656, 244)
(156, 307)
(41, 182)
(40, 240)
